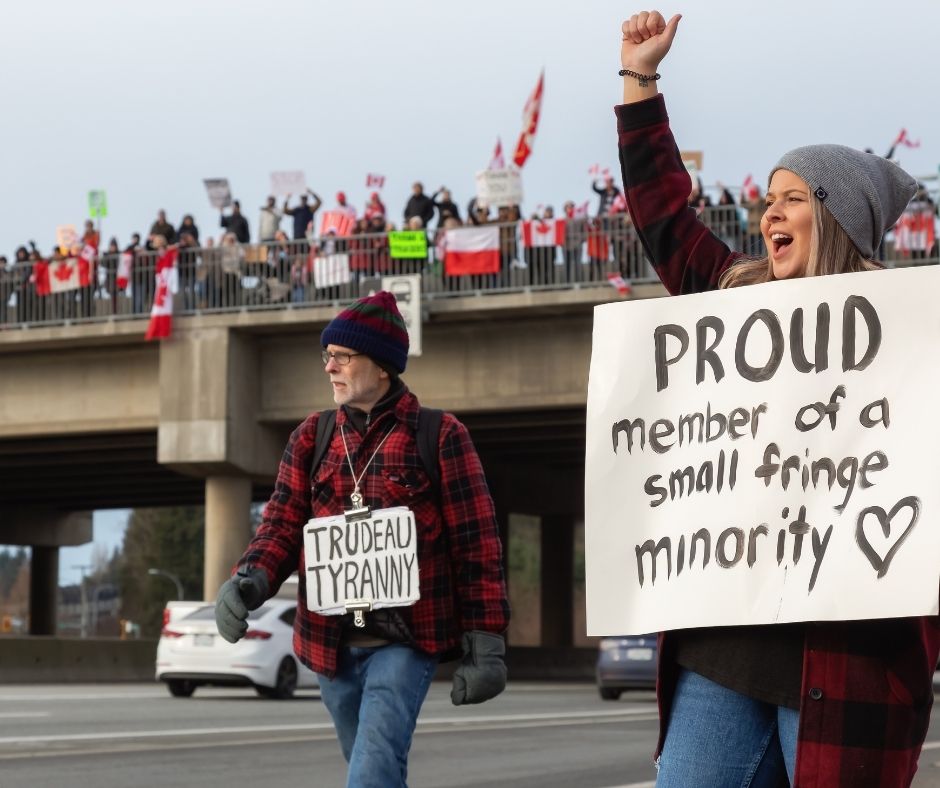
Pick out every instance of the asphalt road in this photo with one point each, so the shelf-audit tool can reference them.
(114, 736)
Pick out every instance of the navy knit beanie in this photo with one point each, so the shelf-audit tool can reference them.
(374, 326)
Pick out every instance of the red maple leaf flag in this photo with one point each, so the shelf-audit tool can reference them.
(472, 250)
(530, 121)
(539, 232)
(903, 139)
(69, 274)
(167, 280)
(40, 278)
(497, 162)
(375, 181)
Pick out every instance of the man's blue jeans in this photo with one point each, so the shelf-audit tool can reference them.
(718, 738)
(374, 701)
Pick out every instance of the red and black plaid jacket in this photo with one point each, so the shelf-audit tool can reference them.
(867, 685)
(459, 551)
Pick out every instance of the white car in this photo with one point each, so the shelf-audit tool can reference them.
(191, 653)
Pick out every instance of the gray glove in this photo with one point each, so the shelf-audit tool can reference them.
(240, 593)
(481, 674)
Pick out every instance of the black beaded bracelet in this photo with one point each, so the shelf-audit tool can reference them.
(643, 79)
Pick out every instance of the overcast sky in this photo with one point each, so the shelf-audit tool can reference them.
(144, 100)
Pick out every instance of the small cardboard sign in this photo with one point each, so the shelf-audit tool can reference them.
(372, 560)
(497, 188)
(408, 245)
(220, 195)
(97, 204)
(285, 182)
(407, 292)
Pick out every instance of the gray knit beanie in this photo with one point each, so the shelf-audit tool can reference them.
(865, 193)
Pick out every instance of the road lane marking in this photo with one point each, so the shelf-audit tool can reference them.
(931, 745)
(6, 715)
(496, 720)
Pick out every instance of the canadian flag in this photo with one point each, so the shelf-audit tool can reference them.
(40, 278)
(69, 274)
(125, 263)
(580, 211)
(530, 121)
(497, 162)
(167, 279)
(376, 181)
(749, 189)
(539, 232)
(620, 284)
(339, 222)
(903, 139)
(619, 205)
(472, 250)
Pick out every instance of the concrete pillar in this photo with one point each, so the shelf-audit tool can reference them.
(43, 590)
(228, 528)
(557, 580)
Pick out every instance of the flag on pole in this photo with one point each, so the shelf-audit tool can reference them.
(581, 211)
(749, 190)
(375, 181)
(903, 139)
(620, 284)
(472, 250)
(497, 162)
(167, 280)
(530, 121)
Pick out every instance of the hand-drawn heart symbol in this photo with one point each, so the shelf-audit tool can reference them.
(880, 564)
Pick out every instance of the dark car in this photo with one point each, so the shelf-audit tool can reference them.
(626, 662)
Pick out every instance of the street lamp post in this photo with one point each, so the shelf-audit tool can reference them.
(174, 578)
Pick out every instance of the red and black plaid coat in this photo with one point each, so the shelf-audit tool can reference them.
(459, 551)
(867, 685)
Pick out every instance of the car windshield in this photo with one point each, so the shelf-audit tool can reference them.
(207, 613)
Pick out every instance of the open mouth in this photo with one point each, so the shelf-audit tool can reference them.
(780, 241)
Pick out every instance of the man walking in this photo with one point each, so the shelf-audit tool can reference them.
(375, 665)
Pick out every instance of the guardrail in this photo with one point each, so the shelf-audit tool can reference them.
(288, 274)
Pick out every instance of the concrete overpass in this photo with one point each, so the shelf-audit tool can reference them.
(93, 417)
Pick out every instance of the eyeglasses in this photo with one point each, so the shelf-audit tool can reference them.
(342, 358)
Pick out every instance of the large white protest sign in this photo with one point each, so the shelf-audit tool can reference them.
(287, 182)
(372, 560)
(499, 187)
(765, 454)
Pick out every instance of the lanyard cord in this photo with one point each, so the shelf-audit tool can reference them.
(356, 496)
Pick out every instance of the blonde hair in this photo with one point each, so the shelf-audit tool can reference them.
(831, 251)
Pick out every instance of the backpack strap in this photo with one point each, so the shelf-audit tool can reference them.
(326, 425)
(428, 438)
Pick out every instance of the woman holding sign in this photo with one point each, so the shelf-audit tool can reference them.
(823, 704)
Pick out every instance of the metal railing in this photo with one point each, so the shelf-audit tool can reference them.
(288, 274)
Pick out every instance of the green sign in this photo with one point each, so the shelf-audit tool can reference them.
(408, 245)
(97, 204)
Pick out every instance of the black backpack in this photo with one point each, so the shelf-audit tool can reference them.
(427, 437)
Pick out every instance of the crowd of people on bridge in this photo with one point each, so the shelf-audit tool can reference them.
(81, 278)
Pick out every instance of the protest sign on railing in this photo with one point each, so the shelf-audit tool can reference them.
(765, 454)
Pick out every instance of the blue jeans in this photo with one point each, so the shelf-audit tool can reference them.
(718, 738)
(374, 701)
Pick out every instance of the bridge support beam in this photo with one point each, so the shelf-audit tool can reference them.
(557, 580)
(43, 590)
(228, 528)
